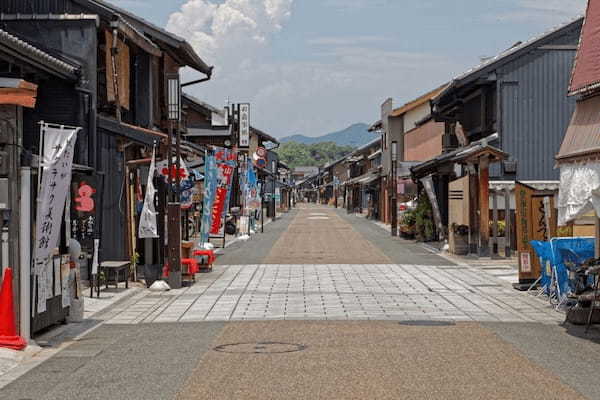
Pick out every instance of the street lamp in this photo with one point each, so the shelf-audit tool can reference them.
(173, 89)
(394, 189)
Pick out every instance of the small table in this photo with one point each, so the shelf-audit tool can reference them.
(117, 267)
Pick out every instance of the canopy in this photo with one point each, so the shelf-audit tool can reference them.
(583, 134)
(579, 191)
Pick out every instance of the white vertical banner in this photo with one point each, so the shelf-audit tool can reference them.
(95, 261)
(148, 227)
(57, 163)
(437, 216)
(244, 125)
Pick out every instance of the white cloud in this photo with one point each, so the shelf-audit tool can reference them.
(214, 29)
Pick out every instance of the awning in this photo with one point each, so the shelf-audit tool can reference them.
(579, 191)
(403, 168)
(208, 132)
(135, 133)
(583, 134)
(364, 179)
(470, 153)
(374, 155)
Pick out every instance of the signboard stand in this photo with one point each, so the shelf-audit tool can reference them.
(533, 223)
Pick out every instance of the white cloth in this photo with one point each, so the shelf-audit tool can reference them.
(579, 191)
(148, 227)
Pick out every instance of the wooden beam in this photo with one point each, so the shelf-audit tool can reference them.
(19, 97)
(484, 207)
(507, 224)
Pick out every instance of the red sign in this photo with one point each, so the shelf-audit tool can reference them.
(84, 200)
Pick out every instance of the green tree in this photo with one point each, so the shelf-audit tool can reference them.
(295, 154)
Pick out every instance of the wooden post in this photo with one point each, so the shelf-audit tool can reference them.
(484, 207)
(495, 223)
(473, 213)
(174, 238)
(597, 244)
(507, 224)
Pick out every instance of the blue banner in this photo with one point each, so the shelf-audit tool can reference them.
(210, 189)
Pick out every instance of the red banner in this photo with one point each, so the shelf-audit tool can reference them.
(224, 179)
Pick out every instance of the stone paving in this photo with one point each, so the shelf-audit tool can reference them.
(340, 292)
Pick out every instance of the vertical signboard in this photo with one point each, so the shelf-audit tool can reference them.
(244, 125)
(529, 267)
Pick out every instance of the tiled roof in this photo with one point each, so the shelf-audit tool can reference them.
(38, 57)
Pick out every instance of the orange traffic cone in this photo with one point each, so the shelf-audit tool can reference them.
(8, 330)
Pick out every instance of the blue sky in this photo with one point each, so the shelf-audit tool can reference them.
(314, 66)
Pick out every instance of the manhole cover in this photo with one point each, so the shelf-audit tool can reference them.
(260, 348)
(318, 217)
(427, 323)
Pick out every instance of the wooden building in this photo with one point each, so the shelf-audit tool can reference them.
(118, 98)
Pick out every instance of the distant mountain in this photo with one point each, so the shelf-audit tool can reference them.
(355, 135)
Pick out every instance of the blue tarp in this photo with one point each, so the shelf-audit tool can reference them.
(555, 253)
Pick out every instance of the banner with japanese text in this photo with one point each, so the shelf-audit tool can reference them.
(225, 167)
(57, 162)
(210, 183)
(219, 167)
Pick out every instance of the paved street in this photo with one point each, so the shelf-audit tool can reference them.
(326, 305)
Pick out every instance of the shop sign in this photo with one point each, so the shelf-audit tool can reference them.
(84, 209)
(244, 125)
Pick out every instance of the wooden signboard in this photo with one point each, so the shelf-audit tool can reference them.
(533, 223)
(529, 267)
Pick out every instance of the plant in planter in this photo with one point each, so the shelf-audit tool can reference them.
(407, 223)
(460, 230)
(424, 226)
(501, 228)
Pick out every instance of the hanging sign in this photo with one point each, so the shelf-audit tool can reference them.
(148, 227)
(244, 125)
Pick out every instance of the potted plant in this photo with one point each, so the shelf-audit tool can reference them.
(459, 239)
(407, 223)
(424, 226)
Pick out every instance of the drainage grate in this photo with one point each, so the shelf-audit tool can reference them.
(427, 323)
(260, 348)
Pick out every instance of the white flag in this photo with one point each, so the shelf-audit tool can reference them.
(148, 227)
(57, 161)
